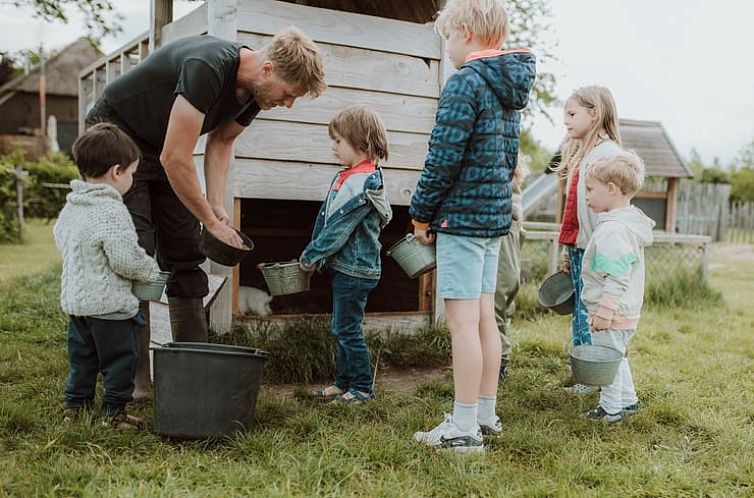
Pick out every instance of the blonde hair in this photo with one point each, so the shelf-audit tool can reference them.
(605, 126)
(486, 19)
(625, 169)
(297, 60)
(363, 129)
(521, 171)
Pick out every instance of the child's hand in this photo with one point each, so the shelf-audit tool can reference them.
(566, 266)
(425, 237)
(598, 323)
(308, 269)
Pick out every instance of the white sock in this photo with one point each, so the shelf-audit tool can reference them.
(464, 416)
(486, 412)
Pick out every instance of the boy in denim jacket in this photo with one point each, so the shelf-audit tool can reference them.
(464, 195)
(346, 240)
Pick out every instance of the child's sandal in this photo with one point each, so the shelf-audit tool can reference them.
(353, 397)
(327, 392)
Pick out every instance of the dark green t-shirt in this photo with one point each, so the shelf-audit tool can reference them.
(201, 68)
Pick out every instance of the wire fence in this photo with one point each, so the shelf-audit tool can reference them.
(670, 254)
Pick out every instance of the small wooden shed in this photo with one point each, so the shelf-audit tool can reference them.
(384, 54)
(20, 100)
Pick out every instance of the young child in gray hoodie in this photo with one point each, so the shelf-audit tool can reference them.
(613, 272)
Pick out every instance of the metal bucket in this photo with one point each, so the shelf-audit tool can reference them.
(412, 256)
(285, 278)
(150, 291)
(594, 365)
(556, 293)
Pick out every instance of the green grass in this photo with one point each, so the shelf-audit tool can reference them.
(35, 254)
(692, 366)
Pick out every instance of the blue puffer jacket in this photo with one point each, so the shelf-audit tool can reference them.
(348, 240)
(465, 186)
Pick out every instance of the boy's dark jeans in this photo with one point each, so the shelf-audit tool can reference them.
(107, 346)
(354, 367)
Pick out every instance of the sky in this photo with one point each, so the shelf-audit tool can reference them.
(685, 63)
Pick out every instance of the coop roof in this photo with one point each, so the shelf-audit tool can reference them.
(652, 143)
(419, 11)
(61, 71)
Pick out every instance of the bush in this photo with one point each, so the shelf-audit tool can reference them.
(8, 203)
(39, 201)
(45, 202)
(683, 287)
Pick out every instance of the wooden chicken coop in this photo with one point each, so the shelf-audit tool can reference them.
(385, 54)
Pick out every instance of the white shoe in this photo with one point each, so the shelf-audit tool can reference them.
(448, 436)
(492, 428)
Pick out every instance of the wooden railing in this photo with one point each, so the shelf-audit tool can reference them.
(94, 78)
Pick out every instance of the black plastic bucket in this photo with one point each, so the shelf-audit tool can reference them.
(205, 390)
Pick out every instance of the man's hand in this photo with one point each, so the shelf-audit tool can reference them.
(598, 323)
(226, 234)
(425, 237)
(308, 269)
(221, 214)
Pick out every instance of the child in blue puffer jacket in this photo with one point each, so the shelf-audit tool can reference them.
(464, 196)
(346, 240)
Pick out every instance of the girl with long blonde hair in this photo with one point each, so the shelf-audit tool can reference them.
(591, 120)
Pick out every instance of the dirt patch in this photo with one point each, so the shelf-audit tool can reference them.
(390, 379)
(722, 253)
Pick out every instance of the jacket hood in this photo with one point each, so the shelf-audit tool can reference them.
(635, 219)
(511, 76)
(89, 194)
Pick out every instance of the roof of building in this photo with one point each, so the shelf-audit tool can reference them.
(61, 71)
(652, 143)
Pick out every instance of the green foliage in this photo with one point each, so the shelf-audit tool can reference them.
(8, 203)
(683, 287)
(714, 175)
(97, 14)
(742, 184)
(45, 202)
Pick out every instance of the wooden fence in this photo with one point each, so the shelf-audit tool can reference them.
(702, 209)
(740, 223)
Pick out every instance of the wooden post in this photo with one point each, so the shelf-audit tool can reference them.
(20, 175)
(670, 206)
(160, 13)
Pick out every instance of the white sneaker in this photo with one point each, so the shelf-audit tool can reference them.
(448, 436)
(491, 428)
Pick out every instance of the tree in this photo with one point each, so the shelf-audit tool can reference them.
(7, 64)
(94, 12)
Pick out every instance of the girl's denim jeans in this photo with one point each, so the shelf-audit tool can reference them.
(580, 319)
(353, 363)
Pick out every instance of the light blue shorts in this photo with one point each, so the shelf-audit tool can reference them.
(466, 266)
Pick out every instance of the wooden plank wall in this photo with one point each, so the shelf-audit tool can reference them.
(393, 66)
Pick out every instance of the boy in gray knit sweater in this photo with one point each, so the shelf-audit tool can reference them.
(101, 259)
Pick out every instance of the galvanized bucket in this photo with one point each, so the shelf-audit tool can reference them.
(285, 278)
(594, 365)
(412, 256)
(150, 291)
(556, 293)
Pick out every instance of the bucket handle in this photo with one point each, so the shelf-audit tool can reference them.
(407, 237)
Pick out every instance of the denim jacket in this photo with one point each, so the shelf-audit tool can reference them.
(348, 240)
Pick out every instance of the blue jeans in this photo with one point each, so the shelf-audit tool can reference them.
(107, 346)
(352, 361)
(580, 318)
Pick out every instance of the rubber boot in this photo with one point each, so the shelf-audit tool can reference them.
(143, 378)
(188, 320)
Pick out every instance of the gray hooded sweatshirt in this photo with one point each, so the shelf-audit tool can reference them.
(613, 267)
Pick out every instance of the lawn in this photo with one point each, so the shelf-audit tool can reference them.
(37, 252)
(692, 365)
